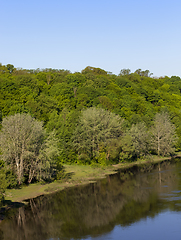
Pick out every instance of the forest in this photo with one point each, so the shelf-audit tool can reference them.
(50, 117)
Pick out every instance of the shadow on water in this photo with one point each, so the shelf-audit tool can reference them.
(90, 210)
(9, 205)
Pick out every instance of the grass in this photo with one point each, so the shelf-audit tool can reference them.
(74, 175)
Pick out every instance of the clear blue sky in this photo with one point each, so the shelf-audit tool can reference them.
(110, 34)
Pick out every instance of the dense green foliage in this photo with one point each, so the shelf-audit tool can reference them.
(58, 98)
(3, 183)
(7, 179)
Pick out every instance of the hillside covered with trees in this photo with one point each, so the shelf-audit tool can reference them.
(94, 116)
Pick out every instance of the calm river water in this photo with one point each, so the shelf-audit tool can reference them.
(145, 204)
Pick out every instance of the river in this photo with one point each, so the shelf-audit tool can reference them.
(134, 204)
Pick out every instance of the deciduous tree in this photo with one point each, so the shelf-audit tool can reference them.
(124, 72)
(163, 135)
(25, 148)
(135, 142)
(97, 127)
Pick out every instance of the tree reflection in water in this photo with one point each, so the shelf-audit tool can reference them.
(95, 209)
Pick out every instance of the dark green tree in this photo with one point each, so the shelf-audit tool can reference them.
(3, 182)
(124, 72)
(10, 68)
(135, 142)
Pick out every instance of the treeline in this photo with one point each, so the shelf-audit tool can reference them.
(57, 98)
(96, 117)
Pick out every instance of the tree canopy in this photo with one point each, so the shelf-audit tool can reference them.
(59, 99)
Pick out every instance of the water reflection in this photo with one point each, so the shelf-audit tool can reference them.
(93, 211)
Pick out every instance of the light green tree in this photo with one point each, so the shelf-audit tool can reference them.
(164, 136)
(26, 149)
(97, 128)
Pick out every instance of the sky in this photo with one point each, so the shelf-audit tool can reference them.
(109, 34)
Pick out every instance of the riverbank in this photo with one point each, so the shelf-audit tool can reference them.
(146, 191)
(74, 175)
